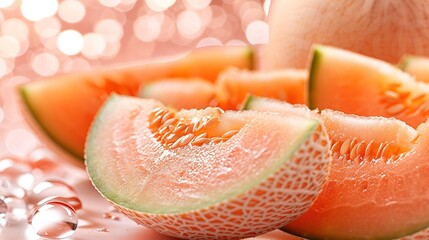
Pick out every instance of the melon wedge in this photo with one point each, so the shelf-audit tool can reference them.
(376, 188)
(181, 93)
(353, 83)
(65, 106)
(205, 174)
(235, 84)
(416, 66)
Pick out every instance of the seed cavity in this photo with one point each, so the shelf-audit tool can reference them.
(353, 149)
(398, 100)
(174, 132)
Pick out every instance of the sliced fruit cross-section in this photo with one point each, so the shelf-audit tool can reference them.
(65, 106)
(416, 66)
(205, 174)
(287, 84)
(376, 188)
(181, 93)
(357, 84)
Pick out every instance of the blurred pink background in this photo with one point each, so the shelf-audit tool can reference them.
(44, 38)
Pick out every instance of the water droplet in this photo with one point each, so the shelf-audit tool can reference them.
(54, 220)
(16, 210)
(17, 172)
(103, 229)
(110, 216)
(48, 189)
(3, 211)
(73, 202)
(113, 209)
(10, 189)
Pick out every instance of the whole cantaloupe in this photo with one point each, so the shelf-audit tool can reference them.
(384, 29)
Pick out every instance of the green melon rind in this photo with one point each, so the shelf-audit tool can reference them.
(144, 91)
(250, 100)
(24, 91)
(405, 61)
(247, 102)
(251, 57)
(314, 67)
(105, 189)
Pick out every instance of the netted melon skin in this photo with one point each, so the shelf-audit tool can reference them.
(276, 201)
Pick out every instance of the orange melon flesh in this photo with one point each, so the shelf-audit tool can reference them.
(352, 83)
(65, 106)
(264, 176)
(416, 66)
(371, 197)
(181, 93)
(287, 84)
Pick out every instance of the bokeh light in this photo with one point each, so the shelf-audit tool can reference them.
(9, 46)
(45, 64)
(210, 41)
(148, 28)
(189, 24)
(94, 45)
(70, 42)
(20, 142)
(6, 3)
(168, 29)
(15, 27)
(3, 71)
(111, 29)
(110, 3)
(126, 5)
(159, 5)
(257, 32)
(71, 11)
(76, 64)
(37, 10)
(48, 27)
(197, 4)
(219, 17)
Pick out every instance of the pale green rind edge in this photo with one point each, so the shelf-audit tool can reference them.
(250, 55)
(314, 67)
(90, 161)
(248, 106)
(405, 61)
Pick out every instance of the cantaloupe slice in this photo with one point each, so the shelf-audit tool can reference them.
(205, 174)
(64, 106)
(357, 84)
(181, 93)
(416, 66)
(376, 188)
(233, 85)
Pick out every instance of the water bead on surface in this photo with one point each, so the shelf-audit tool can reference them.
(110, 216)
(16, 210)
(73, 202)
(48, 189)
(54, 220)
(10, 189)
(17, 172)
(44, 162)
